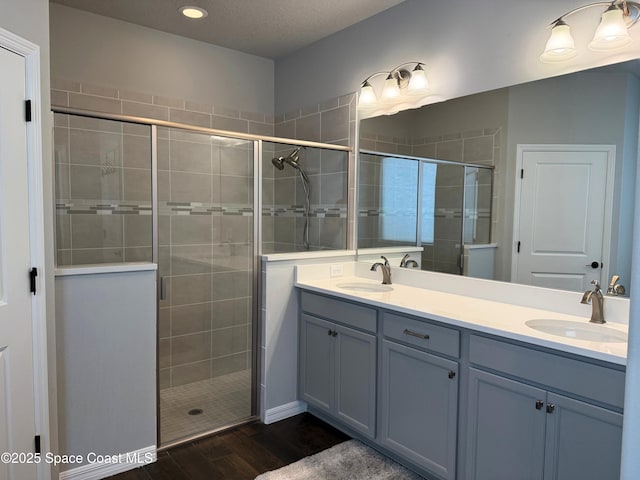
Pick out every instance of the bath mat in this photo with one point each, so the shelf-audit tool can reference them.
(350, 460)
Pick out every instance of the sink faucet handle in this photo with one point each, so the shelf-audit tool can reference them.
(615, 288)
(403, 262)
(596, 285)
(386, 262)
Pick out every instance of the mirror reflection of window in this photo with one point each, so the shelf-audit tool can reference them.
(398, 198)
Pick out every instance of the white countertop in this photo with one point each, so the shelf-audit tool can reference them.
(496, 318)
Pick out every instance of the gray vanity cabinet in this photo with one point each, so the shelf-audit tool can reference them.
(506, 434)
(522, 412)
(517, 430)
(338, 363)
(419, 405)
(317, 363)
(583, 441)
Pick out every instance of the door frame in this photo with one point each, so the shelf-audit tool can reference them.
(610, 150)
(31, 54)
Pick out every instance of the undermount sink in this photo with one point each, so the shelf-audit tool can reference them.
(580, 331)
(365, 287)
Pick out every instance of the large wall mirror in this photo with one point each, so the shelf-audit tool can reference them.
(542, 172)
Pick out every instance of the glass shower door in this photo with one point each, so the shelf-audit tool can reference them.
(206, 269)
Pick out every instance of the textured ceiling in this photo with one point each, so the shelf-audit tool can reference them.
(268, 28)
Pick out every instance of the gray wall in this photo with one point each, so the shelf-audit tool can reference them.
(99, 50)
(468, 47)
(30, 20)
(106, 362)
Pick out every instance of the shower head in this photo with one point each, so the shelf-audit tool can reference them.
(292, 159)
(278, 162)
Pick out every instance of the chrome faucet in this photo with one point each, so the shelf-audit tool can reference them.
(596, 299)
(386, 270)
(406, 262)
(615, 289)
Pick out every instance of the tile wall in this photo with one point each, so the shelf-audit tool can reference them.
(98, 98)
(283, 194)
(102, 191)
(103, 195)
(205, 189)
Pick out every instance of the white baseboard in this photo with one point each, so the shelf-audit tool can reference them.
(284, 411)
(124, 462)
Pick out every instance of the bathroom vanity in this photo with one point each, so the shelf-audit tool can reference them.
(461, 388)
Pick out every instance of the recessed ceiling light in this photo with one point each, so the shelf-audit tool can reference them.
(193, 12)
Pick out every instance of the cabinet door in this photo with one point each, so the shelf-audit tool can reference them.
(506, 433)
(317, 362)
(583, 441)
(419, 402)
(356, 379)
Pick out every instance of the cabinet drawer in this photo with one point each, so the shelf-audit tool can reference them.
(350, 314)
(421, 334)
(587, 380)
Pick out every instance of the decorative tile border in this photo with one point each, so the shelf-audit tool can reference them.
(88, 207)
(316, 211)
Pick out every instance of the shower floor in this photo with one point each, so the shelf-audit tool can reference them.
(223, 400)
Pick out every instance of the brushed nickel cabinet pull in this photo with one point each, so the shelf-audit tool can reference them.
(423, 336)
(539, 404)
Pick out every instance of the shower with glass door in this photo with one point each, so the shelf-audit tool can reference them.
(128, 190)
(206, 269)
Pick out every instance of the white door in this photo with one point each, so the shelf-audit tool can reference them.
(561, 226)
(17, 413)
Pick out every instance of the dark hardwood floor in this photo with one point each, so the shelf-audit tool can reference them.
(242, 452)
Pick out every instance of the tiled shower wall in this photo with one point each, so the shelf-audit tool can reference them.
(103, 191)
(205, 187)
(283, 194)
(98, 98)
(205, 214)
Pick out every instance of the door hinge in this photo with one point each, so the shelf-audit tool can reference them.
(518, 246)
(27, 110)
(33, 273)
(37, 444)
(522, 173)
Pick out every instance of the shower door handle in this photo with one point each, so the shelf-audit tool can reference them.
(163, 289)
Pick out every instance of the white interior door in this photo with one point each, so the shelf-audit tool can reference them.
(17, 405)
(562, 223)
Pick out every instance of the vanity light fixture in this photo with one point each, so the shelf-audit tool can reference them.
(612, 32)
(402, 89)
(193, 12)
